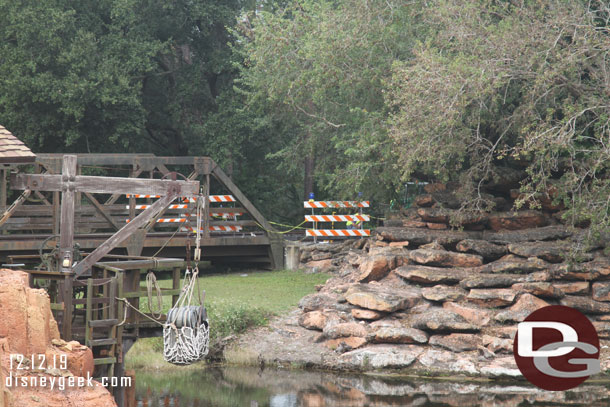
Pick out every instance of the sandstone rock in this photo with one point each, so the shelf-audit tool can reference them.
(483, 248)
(381, 298)
(539, 289)
(414, 224)
(418, 237)
(344, 330)
(431, 275)
(442, 320)
(313, 320)
(320, 266)
(529, 235)
(601, 291)
(350, 342)
(585, 305)
(517, 220)
(501, 367)
(399, 335)
(79, 358)
(436, 359)
(498, 345)
(314, 302)
(553, 252)
(381, 356)
(368, 314)
(434, 246)
(443, 293)
(424, 201)
(574, 287)
(476, 316)
(399, 244)
(491, 280)
(445, 258)
(497, 297)
(456, 342)
(434, 215)
(526, 304)
(436, 226)
(376, 267)
(317, 256)
(513, 264)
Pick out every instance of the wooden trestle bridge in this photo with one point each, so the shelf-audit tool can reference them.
(89, 227)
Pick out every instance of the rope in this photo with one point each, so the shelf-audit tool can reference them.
(136, 310)
(151, 281)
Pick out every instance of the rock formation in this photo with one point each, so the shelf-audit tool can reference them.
(423, 295)
(27, 328)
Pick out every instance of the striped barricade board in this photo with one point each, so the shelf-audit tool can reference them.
(338, 232)
(336, 204)
(337, 218)
(213, 198)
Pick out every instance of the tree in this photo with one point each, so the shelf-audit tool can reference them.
(317, 67)
(509, 85)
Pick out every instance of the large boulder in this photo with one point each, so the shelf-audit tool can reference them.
(573, 287)
(27, 327)
(381, 356)
(379, 298)
(442, 293)
(375, 268)
(456, 342)
(539, 289)
(316, 301)
(442, 320)
(553, 252)
(526, 304)
(517, 220)
(585, 304)
(483, 248)
(399, 334)
(431, 275)
(514, 264)
(445, 258)
(477, 316)
(313, 320)
(344, 330)
(492, 298)
(491, 280)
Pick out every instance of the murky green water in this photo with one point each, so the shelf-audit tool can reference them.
(229, 387)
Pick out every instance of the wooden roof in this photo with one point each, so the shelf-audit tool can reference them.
(12, 150)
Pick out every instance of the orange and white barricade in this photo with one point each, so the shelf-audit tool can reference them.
(332, 232)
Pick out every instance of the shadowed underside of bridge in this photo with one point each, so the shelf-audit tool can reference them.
(233, 231)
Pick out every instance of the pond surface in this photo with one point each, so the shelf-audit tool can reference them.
(250, 387)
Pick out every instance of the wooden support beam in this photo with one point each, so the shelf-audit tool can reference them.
(105, 185)
(66, 240)
(101, 210)
(124, 232)
(7, 214)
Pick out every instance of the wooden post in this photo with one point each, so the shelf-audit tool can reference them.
(175, 284)
(66, 241)
(206, 209)
(67, 317)
(88, 330)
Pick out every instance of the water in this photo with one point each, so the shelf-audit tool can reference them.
(250, 387)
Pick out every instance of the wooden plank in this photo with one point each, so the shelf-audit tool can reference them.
(103, 323)
(101, 210)
(176, 284)
(9, 212)
(123, 234)
(88, 310)
(94, 301)
(67, 317)
(104, 361)
(66, 239)
(106, 185)
(115, 197)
